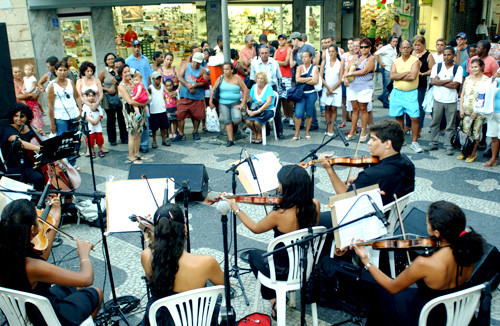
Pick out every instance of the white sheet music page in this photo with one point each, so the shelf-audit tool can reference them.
(266, 167)
(365, 229)
(128, 197)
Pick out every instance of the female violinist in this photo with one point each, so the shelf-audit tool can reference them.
(16, 146)
(297, 210)
(27, 271)
(169, 268)
(445, 271)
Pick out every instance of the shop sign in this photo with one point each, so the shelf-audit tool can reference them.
(55, 22)
(347, 4)
(131, 14)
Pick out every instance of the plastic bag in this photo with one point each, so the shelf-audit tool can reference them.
(428, 103)
(213, 124)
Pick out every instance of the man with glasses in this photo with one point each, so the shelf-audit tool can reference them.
(404, 95)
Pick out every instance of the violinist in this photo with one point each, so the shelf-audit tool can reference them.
(445, 271)
(169, 268)
(16, 146)
(297, 210)
(28, 271)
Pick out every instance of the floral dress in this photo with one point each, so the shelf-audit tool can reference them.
(470, 96)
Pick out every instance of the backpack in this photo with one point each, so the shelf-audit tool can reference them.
(455, 69)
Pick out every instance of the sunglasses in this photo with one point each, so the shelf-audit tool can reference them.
(67, 95)
(364, 47)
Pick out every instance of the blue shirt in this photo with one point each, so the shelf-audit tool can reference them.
(190, 76)
(267, 93)
(142, 65)
(271, 68)
(497, 98)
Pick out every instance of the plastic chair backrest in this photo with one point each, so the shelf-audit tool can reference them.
(460, 306)
(276, 99)
(295, 252)
(393, 214)
(13, 304)
(190, 308)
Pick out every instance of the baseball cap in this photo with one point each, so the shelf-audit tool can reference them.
(136, 42)
(198, 57)
(295, 35)
(462, 35)
(155, 75)
(282, 36)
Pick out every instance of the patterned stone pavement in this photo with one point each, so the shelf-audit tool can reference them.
(472, 187)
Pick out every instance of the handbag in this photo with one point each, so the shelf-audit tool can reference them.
(428, 103)
(217, 90)
(114, 99)
(295, 93)
(254, 106)
(254, 320)
(462, 141)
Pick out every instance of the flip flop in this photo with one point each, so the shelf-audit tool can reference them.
(295, 138)
(308, 138)
(136, 161)
(274, 310)
(142, 158)
(342, 125)
(257, 141)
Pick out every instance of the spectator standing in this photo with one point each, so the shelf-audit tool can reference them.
(30, 99)
(248, 52)
(129, 37)
(386, 56)
(240, 71)
(111, 102)
(271, 68)
(482, 31)
(346, 57)
(494, 124)
(30, 88)
(231, 87)
(331, 73)
(462, 53)
(472, 121)
(218, 47)
(158, 113)
(318, 61)
(282, 56)
(140, 62)
(93, 115)
(396, 28)
(446, 78)
(372, 33)
(264, 42)
(299, 46)
(360, 90)
(438, 55)
(495, 47)
(404, 96)
(157, 63)
(490, 64)
(168, 71)
(171, 106)
(192, 96)
(50, 75)
(472, 53)
(73, 75)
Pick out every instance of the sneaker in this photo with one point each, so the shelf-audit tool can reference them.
(229, 143)
(291, 123)
(430, 148)
(450, 152)
(196, 136)
(284, 120)
(416, 147)
(154, 145)
(165, 142)
(248, 131)
(179, 137)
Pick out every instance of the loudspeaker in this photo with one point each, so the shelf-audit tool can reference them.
(7, 93)
(195, 173)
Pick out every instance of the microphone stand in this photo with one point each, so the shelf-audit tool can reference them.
(185, 189)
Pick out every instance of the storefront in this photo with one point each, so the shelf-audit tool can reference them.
(433, 15)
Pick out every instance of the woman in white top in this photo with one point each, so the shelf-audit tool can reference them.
(331, 73)
(65, 105)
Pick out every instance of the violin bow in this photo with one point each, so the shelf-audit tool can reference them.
(59, 230)
(355, 156)
(150, 190)
(402, 225)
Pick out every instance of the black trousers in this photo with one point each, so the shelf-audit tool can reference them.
(114, 114)
(277, 117)
(259, 264)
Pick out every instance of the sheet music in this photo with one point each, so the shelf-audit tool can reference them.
(127, 197)
(266, 166)
(11, 184)
(366, 229)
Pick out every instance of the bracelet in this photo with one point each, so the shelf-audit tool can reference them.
(237, 211)
(86, 259)
(367, 266)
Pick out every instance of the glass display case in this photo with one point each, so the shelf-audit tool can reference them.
(77, 38)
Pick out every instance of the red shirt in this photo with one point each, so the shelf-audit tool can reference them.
(129, 37)
(247, 54)
(286, 71)
(490, 66)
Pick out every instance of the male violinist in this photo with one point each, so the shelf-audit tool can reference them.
(395, 173)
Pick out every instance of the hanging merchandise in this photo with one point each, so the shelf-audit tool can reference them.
(383, 11)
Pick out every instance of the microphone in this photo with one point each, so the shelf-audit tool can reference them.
(223, 207)
(378, 212)
(341, 135)
(165, 193)
(43, 196)
(250, 164)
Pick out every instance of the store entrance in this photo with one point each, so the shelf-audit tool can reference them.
(78, 38)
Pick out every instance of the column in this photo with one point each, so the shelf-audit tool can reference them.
(332, 19)
(214, 22)
(299, 16)
(104, 34)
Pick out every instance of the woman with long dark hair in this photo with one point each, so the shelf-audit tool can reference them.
(443, 272)
(297, 210)
(169, 268)
(24, 270)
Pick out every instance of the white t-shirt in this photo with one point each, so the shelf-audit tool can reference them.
(157, 104)
(387, 55)
(441, 93)
(29, 82)
(438, 58)
(93, 115)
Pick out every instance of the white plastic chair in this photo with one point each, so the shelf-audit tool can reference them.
(271, 121)
(13, 305)
(460, 306)
(190, 308)
(294, 271)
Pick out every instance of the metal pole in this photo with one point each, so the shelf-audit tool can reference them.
(225, 32)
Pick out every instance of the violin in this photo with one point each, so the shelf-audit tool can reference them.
(396, 244)
(41, 240)
(346, 161)
(247, 199)
(145, 225)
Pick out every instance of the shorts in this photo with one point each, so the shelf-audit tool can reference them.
(285, 85)
(190, 108)
(402, 102)
(229, 113)
(493, 125)
(158, 121)
(96, 137)
(362, 96)
(172, 114)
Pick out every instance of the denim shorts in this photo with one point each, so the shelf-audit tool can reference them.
(402, 102)
(229, 113)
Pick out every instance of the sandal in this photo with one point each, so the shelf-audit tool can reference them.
(102, 154)
(274, 311)
(142, 158)
(308, 138)
(295, 138)
(257, 141)
(136, 161)
(342, 125)
(350, 136)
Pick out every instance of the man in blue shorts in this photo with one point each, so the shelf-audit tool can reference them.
(404, 95)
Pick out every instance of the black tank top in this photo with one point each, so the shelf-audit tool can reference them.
(424, 67)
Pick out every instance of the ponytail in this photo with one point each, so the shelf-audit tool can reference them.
(468, 248)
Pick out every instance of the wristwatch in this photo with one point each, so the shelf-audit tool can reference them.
(367, 266)
(237, 211)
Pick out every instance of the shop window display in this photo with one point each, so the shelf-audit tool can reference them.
(383, 11)
(77, 38)
(271, 20)
(313, 25)
(168, 28)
